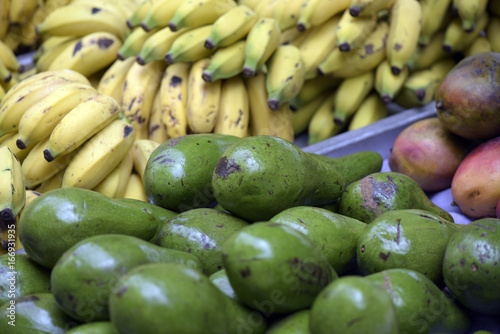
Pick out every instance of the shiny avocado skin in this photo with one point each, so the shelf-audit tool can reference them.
(97, 327)
(294, 323)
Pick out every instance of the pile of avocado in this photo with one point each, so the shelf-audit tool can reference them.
(255, 236)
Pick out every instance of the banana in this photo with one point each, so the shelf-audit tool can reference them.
(140, 87)
(456, 39)
(281, 123)
(353, 31)
(112, 81)
(260, 113)
(12, 190)
(226, 62)
(322, 126)
(160, 13)
(195, 13)
(5, 75)
(494, 7)
(285, 76)
(249, 3)
(425, 56)
(302, 116)
(203, 99)
(99, 155)
(262, 40)
(89, 54)
(139, 13)
(41, 118)
(318, 45)
(81, 123)
(20, 11)
(266, 8)
(9, 140)
(480, 45)
(141, 151)
(470, 12)
(313, 88)
(158, 44)
(315, 12)
(157, 129)
(173, 99)
(436, 14)
(9, 59)
(350, 94)
(301, 38)
(387, 84)
(287, 13)
(115, 183)
(31, 195)
(368, 7)
(404, 31)
(2, 93)
(48, 52)
(82, 18)
(492, 33)
(231, 27)
(371, 110)
(287, 36)
(133, 43)
(190, 46)
(135, 188)
(55, 182)
(4, 18)
(234, 110)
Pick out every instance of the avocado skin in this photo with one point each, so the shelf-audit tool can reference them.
(294, 323)
(30, 277)
(220, 280)
(178, 173)
(352, 305)
(200, 232)
(97, 327)
(58, 219)
(82, 279)
(184, 302)
(36, 313)
(471, 266)
(371, 196)
(334, 233)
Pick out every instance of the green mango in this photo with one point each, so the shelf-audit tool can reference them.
(220, 280)
(410, 238)
(471, 266)
(177, 300)
(334, 233)
(421, 307)
(98, 327)
(377, 193)
(178, 173)
(200, 232)
(274, 268)
(294, 323)
(21, 276)
(260, 176)
(353, 305)
(82, 279)
(58, 219)
(37, 313)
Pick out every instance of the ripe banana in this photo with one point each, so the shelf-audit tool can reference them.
(371, 110)
(281, 123)
(456, 39)
(287, 36)
(322, 126)
(135, 188)
(302, 116)
(350, 94)
(173, 94)
(262, 41)
(470, 12)
(195, 13)
(158, 44)
(81, 123)
(203, 99)
(5, 75)
(315, 12)
(368, 7)
(435, 15)
(9, 59)
(260, 113)
(492, 33)
(46, 55)
(313, 88)
(404, 31)
(99, 155)
(425, 56)
(160, 12)
(353, 31)
(54, 182)
(133, 43)
(31, 195)
(42, 117)
(141, 84)
(190, 46)
(12, 190)
(387, 84)
(4, 18)
(9, 140)
(157, 130)
(112, 81)
(480, 45)
(115, 183)
(287, 13)
(139, 13)
(20, 11)
(266, 8)
(226, 62)
(231, 27)
(234, 110)
(141, 151)
(285, 76)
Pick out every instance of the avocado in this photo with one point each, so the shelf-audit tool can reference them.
(82, 279)
(220, 280)
(98, 327)
(293, 323)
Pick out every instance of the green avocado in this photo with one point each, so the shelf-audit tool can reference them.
(58, 219)
(200, 232)
(471, 266)
(37, 313)
(164, 298)
(82, 279)
(369, 197)
(353, 305)
(21, 276)
(334, 233)
(274, 268)
(98, 327)
(293, 323)
(178, 173)
(410, 238)
(220, 280)
(260, 176)
(421, 307)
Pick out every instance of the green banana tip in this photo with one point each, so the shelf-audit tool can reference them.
(248, 72)
(209, 44)
(145, 26)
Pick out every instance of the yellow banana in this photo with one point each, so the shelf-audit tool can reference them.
(371, 110)
(435, 15)
(190, 46)
(173, 99)
(31, 195)
(281, 123)
(287, 13)
(112, 81)
(404, 31)
(5, 75)
(158, 44)
(135, 188)
(262, 41)
(48, 54)
(4, 18)
(322, 126)
(470, 12)
(139, 13)
(249, 3)
(20, 11)
(141, 151)
(352, 31)
(302, 116)
(81, 123)
(203, 99)
(480, 45)
(226, 62)
(492, 33)
(115, 183)
(159, 14)
(425, 56)
(368, 7)
(285, 76)
(234, 110)
(266, 8)
(195, 13)
(54, 182)
(350, 94)
(387, 84)
(99, 155)
(260, 113)
(9, 140)
(456, 39)
(157, 129)
(315, 12)
(313, 88)
(287, 36)
(133, 43)
(12, 190)
(9, 59)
